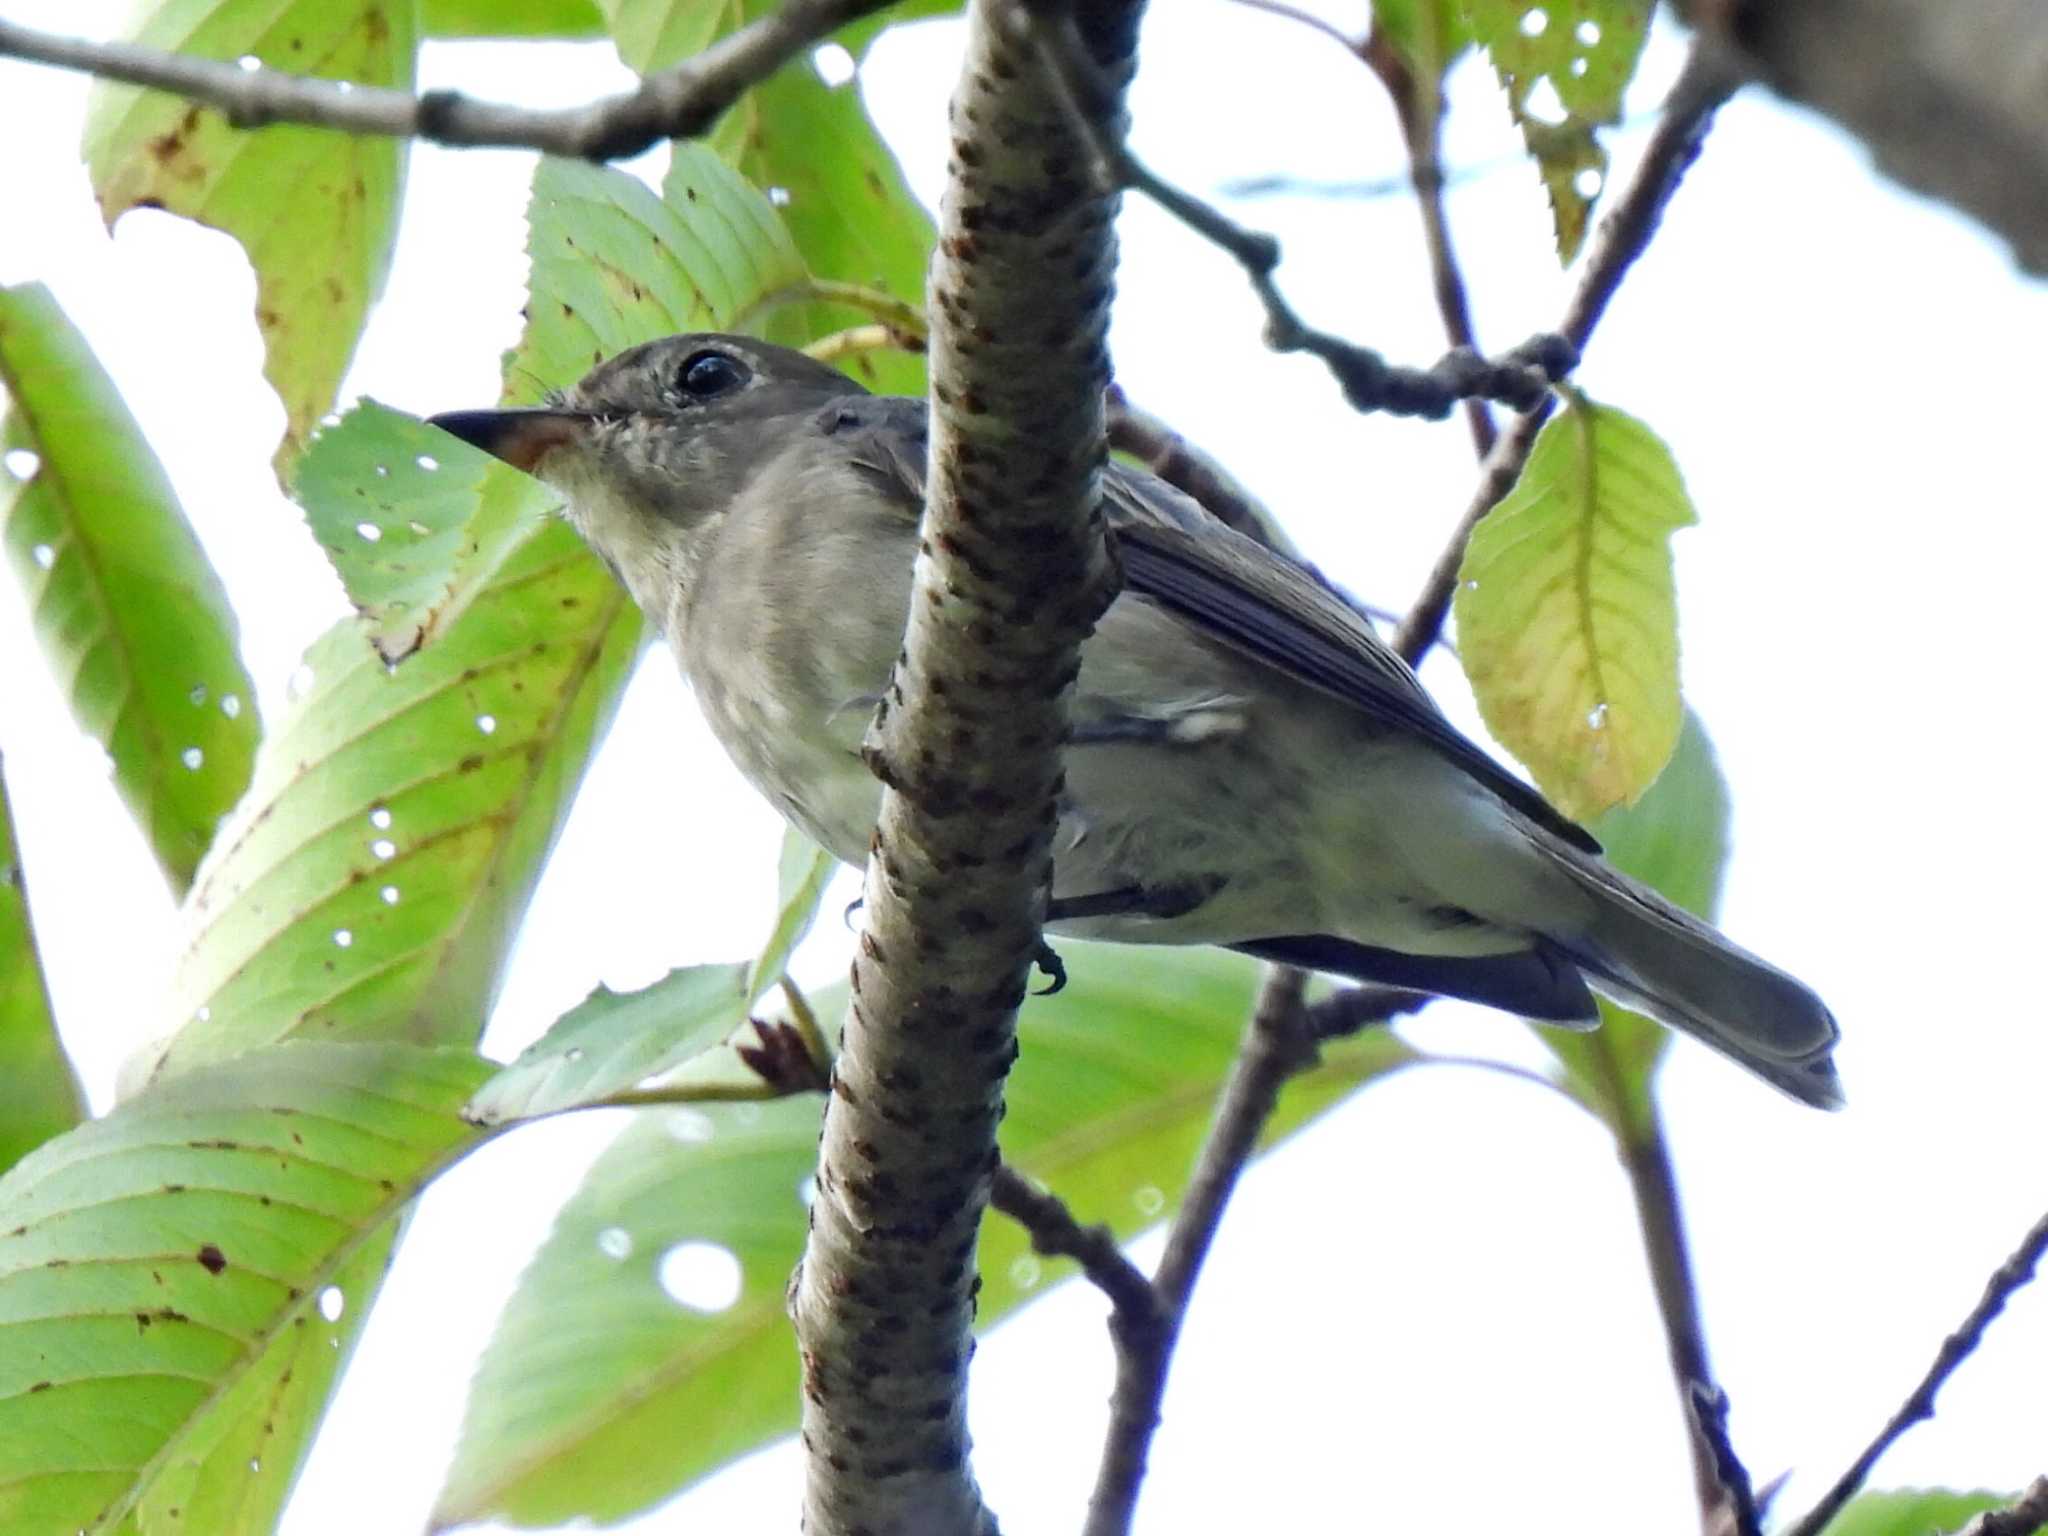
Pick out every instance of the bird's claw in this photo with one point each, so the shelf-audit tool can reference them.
(1048, 960)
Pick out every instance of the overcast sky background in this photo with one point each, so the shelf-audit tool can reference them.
(1431, 1306)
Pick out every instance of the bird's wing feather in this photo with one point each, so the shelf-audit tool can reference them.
(1235, 591)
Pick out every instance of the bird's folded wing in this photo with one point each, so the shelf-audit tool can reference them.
(1230, 588)
(1287, 616)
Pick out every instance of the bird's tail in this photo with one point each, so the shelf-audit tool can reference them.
(1661, 960)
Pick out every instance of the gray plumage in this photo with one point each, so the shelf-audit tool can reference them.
(1250, 765)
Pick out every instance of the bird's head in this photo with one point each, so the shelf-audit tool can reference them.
(650, 447)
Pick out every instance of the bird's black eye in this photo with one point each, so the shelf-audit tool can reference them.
(707, 375)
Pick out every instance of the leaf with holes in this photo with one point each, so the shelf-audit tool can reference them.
(1565, 65)
(130, 615)
(612, 1040)
(647, 1344)
(1674, 839)
(370, 885)
(399, 816)
(316, 211)
(614, 265)
(153, 1262)
(404, 511)
(39, 1092)
(1567, 619)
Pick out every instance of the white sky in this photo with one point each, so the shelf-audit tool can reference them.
(1430, 1307)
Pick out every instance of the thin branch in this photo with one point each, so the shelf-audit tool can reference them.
(897, 314)
(1187, 468)
(1012, 577)
(1313, 23)
(2014, 1273)
(1349, 1010)
(1055, 1233)
(856, 339)
(677, 103)
(1736, 1508)
(1653, 1184)
(1624, 234)
(2023, 1517)
(1277, 1045)
(1520, 377)
(1419, 109)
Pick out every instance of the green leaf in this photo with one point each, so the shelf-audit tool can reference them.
(130, 614)
(404, 511)
(837, 185)
(801, 875)
(844, 199)
(1428, 34)
(39, 1092)
(370, 885)
(1567, 618)
(1581, 54)
(1675, 839)
(1913, 1512)
(511, 18)
(157, 1265)
(612, 1040)
(316, 211)
(601, 1394)
(614, 265)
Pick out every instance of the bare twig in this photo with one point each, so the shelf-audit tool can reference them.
(1736, 1509)
(1187, 468)
(1419, 108)
(1702, 86)
(2023, 1517)
(1055, 1233)
(897, 314)
(1919, 1404)
(677, 103)
(1520, 377)
(1277, 1045)
(1653, 1184)
(1350, 1009)
(856, 339)
(1312, 22)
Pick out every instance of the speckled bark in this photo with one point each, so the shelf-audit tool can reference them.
(1951, 98)
(1013, 573)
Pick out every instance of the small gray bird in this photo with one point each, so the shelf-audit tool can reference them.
(1249, 766)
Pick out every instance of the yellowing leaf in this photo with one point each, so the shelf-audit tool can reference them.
(1567, 621)
(316, 211)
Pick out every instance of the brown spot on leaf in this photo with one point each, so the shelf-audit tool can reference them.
(211, 1259)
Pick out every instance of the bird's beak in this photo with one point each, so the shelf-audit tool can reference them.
(521, 438)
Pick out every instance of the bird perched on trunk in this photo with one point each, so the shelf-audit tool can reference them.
(1249, 764)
